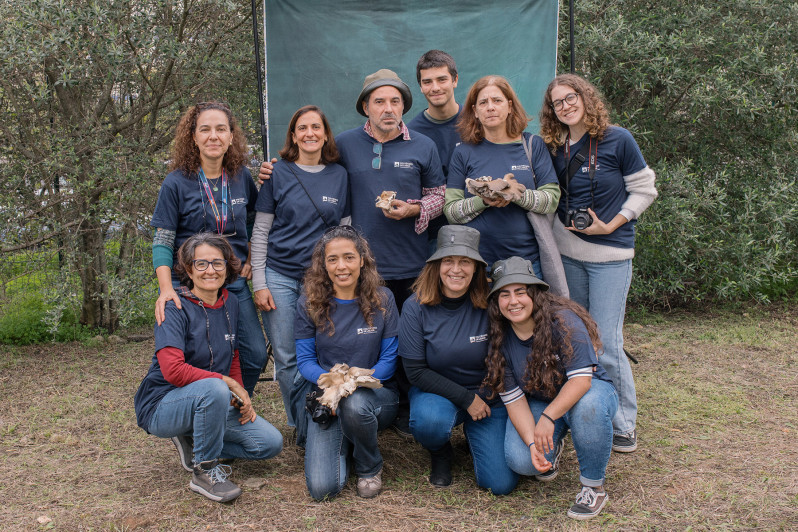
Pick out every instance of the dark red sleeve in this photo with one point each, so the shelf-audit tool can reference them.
(177, 372)
(235, 369)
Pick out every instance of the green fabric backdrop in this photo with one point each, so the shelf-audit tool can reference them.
(319, 51)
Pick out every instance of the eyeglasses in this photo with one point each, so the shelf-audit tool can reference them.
(201, 264)
(570, 99)
(376, 162)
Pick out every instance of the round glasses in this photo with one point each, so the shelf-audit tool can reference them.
(201, 264)
(570, 99)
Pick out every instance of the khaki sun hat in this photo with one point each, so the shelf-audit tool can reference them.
(458, 241)
(381, 78)
(514, 270)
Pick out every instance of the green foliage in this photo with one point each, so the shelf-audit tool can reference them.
(28, 320)
(709, 92)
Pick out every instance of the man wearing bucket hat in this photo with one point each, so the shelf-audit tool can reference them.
(443, 342)
(543, 363)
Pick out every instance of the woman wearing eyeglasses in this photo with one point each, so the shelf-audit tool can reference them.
(606, 187)
(492, 126)
(210, 189)
(193, 392)
(306, 194)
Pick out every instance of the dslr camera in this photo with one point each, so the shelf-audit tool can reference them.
(318, 412)
(579, 218)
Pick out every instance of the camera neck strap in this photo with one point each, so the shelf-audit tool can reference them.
(589, 152)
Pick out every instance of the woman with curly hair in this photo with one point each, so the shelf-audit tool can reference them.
(606, 186)
(543, 363)
(193, 392)
(345, 315)
(491, 124)
(210, 189)
(307, 194)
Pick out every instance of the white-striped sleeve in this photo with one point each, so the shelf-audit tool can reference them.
(581, 372)
(513, 395)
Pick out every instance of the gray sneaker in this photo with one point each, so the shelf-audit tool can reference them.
(588, 504)
(369, 487)
(185, 451)
(551, 474)
(210, 479)
(624, 443)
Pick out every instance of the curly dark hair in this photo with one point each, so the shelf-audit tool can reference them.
(319, 289)
(468, 125)
(596, 118)
(186, 155)
(185, 257)
(290, 151)
(543, 372)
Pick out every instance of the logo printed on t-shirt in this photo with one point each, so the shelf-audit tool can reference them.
(328, 199)
(238, 201)
(479, 338)
(366, 330)
(402, 164)
(517, 167)
(229, 337)
(586, 169)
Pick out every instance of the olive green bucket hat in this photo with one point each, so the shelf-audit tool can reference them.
(514, 270)
(458, 241)
(381, 78)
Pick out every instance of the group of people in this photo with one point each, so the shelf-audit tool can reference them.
(480, 341)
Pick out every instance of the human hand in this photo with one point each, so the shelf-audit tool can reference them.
(264, 300)
(478, 409)
(539, 461)
(498, 202)
(265, 172)
(401, 209)
(246, 270)
(160, 304)
(544, 435)
(596, 228)
(245, 407)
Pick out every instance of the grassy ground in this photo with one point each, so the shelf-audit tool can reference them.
(718, 398)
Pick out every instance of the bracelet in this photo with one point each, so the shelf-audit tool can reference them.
(544, 414)
(531, 445)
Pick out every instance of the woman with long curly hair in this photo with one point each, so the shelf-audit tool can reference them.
(606, 186)
(209, 189)
(193, 392)
(491, 124)
(345, 315)
(543, 363)
(443, 342)
(307, 194)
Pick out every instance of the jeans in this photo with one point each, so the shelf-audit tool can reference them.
(432, 419)
(202, 410)
(353, 430)
(251, 343)
(279, 324)
(590, 421)
(602, 288)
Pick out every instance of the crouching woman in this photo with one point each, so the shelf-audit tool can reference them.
(543, 364)
(193, 392)
(346, 316)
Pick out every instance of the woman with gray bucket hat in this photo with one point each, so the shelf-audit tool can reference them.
(543, 364)
(443, 342)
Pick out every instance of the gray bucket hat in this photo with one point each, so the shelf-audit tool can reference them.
(381, 78)
(514, 270)
(458, 241)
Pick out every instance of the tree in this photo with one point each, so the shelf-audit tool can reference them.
(89, 96)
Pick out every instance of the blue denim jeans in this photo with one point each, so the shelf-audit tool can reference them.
(432, 419)
(602, 288)
(590, 421)
(251, 343)
(202, 410)
(279, 323)
(353, 431)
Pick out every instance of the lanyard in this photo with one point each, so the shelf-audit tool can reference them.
(221, 220)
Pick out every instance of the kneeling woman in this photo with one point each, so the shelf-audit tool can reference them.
(543, 363)
(443, 342)
(193, 391)
(345, 316)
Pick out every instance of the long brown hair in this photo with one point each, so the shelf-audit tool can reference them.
(470, 128)
(185, 257)
(596, 118)
(290, 151)
(543, 372)
(185, 153)
(427, 286)
(319, 289)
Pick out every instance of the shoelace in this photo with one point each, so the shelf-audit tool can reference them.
(369, 482)
(220, 473)
(587, 496)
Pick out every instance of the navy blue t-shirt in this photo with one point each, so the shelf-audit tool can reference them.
(354, 342)
(618, 156)
(187, 329)
(297, 224)
(183, 207)
(516, 352)
(505, 231)
(454, 343)
(407, 167)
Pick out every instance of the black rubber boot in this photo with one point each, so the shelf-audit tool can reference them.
(440, 474)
